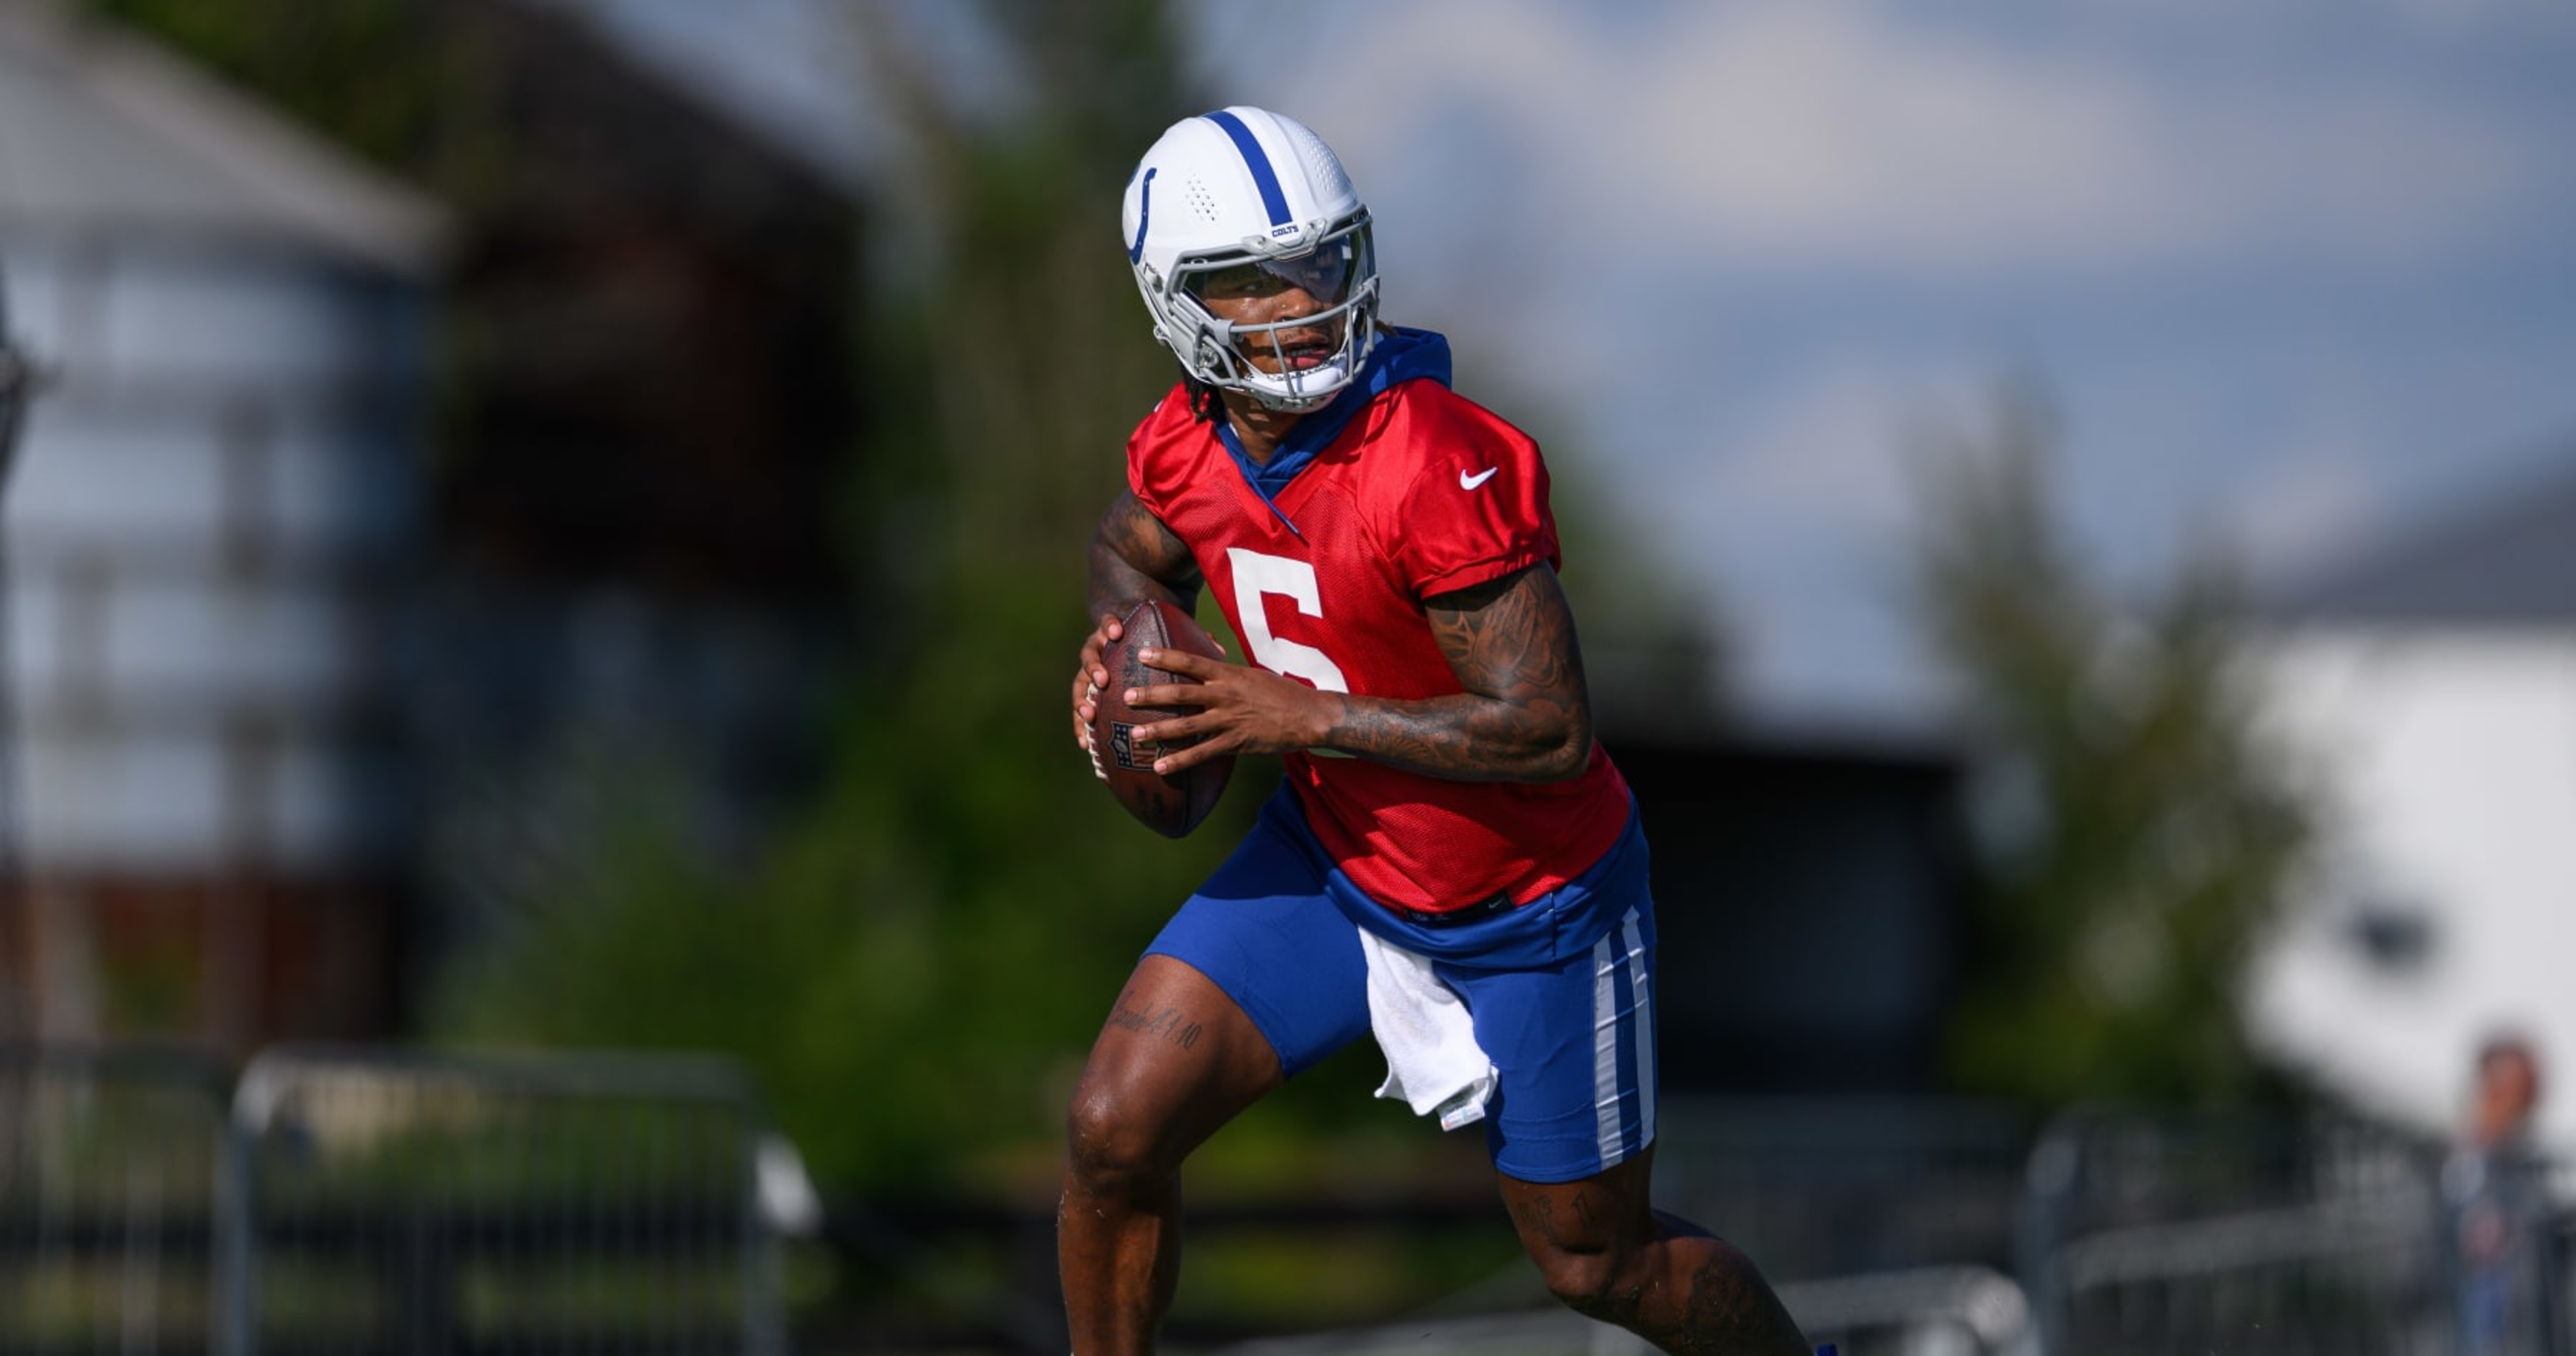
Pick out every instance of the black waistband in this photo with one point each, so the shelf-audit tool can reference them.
(1500, 903)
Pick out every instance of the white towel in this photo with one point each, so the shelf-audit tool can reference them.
(1433, 1063)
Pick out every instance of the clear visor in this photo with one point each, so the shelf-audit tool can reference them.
(1324, 273)
(1290, 328)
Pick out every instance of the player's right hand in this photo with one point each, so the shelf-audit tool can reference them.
(1089, 677)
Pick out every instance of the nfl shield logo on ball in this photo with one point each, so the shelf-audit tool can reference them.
(1126, 752)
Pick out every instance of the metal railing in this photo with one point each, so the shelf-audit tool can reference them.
(2139, 1233)
(345, 1200)
(405, 1203)
(2163, 1233)
(1847, 1185)
(1954, 1311)
(111, 1173)
(350, 1200)
(1888, 1218)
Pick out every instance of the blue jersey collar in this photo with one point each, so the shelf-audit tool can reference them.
(1400, 355)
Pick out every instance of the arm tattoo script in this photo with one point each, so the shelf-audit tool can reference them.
(1526, 715)
(1134, 557)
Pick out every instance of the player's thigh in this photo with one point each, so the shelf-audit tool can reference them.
(1573, 1047)
(1175, 1060)
(1256, 977)
(1266, 933)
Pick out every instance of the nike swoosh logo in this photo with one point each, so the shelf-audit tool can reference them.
(1468, 482)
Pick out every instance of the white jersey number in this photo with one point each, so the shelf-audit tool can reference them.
(1256, 575)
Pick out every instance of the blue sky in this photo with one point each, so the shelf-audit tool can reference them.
(2295, 271)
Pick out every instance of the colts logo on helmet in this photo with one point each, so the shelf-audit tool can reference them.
(1144, 213)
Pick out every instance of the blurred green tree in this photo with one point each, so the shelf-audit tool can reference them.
(384, 78)
(916, 960)
(915, 963)
(2135, 833)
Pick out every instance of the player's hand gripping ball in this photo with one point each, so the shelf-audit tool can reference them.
(1174, 805)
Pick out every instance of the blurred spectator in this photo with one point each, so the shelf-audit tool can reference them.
(2495, 1185)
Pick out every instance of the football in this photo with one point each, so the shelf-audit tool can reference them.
(1171, 806)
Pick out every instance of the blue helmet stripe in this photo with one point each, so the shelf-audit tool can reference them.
(1263, 176)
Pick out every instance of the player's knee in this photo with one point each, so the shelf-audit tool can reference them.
(1109, 1146)
(1592, 1284)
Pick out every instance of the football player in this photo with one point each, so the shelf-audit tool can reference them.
(1449, 844)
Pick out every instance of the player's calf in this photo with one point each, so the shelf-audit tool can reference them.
(1605, 1255)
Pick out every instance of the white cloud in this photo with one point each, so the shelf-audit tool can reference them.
(1750, 248)
(1798, 134)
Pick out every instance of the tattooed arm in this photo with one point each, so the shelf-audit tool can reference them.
(1133, 558)
(1525, 716)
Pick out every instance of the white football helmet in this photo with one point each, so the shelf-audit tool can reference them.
(1244, 197)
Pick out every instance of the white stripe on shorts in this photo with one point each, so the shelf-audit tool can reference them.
(1645, 1006)
(1609, 1081)
(1605, 1051)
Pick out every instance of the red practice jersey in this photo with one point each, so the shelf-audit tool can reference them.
(1421, 493)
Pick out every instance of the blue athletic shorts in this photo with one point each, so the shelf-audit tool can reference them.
(1561, 989)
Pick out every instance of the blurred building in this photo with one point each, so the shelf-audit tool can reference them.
(1811, 890)
(2426, 689)
(212, 501)
(385, 521)
(637, 589)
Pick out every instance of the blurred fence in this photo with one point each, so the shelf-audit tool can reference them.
(2136, 1233)
(1885, 1222)
(401, 1204)
(1944, 1311)
(112, 1173)
(2159, 1234)
(348, 1201)
(1844, 1186)
(333, 1200)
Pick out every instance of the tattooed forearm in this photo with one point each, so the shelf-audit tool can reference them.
(1526, 715)
(1135, 557)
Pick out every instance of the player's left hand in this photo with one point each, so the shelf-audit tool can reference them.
(1239, 709)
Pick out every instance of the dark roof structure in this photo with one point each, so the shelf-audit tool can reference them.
(104, 137)
(2506, 559)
